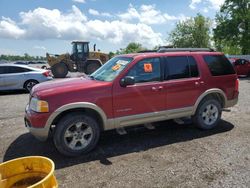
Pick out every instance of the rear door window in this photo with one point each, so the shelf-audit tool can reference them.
(218, 65)
(178, 67)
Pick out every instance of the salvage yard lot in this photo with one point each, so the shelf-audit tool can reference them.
(170, 156)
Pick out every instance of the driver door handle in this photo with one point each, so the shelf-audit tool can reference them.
(197, 83)
(157, 89)
(154, 89)
(160, 88)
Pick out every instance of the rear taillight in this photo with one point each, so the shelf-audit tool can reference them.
(236, 85)
(47, 73)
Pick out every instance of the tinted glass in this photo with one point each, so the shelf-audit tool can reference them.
(218, 65)
(147, 70)
(41, 62)
(17, 70)
(193, 67)
(21, 63)
(177, 67)
(3, 70)
(241, 62)
(32, 62)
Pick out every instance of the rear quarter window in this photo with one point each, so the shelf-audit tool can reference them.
(218, 65)
(17, 70)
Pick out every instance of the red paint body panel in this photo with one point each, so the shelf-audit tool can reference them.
(241, 69)
(62, 92)
(138, 99)
(37, 120)
(183, 92)
(117, 101)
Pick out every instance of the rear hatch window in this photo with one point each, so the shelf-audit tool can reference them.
(218, 65)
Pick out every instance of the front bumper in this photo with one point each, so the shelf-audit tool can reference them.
(41, 133)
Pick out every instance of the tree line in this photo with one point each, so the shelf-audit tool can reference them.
(25, 57)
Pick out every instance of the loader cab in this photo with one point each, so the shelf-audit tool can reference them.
(80, 51)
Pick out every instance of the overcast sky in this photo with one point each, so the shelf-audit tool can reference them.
(39, 26)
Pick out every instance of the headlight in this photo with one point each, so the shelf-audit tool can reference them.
(39, 105)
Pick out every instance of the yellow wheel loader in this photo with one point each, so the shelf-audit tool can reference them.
(81, 60)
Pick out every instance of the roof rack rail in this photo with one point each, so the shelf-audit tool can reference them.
(147, 51)
(162, 50)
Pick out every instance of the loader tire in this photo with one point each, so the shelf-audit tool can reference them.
(92, 66)
(59, 70)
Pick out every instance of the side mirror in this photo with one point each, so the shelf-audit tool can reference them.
(126, 81)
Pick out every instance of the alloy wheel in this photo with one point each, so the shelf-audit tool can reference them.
(78, 136)
(210, 114)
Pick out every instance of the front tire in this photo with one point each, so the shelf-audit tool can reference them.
(76, 134)
(208, 114)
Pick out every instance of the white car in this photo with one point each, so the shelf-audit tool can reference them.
(35, 64)
(13, 77)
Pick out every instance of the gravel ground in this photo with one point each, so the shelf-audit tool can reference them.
(170, 156)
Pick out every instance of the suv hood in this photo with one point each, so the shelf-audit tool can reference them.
(65, 85)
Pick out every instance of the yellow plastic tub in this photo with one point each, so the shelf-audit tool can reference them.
(32, 172)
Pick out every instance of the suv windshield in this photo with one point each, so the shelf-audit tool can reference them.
(111, 69)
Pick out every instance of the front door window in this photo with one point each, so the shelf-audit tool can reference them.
(147, 70)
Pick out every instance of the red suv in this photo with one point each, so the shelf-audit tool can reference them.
(130, 90)
(241, 66)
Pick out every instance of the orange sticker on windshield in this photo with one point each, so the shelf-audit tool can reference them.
(148, 67)
(116, 67)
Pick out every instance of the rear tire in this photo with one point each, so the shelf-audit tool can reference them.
(208, 114)
(76, 134)
(29, 84)
(59, 70)
(92, 66)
